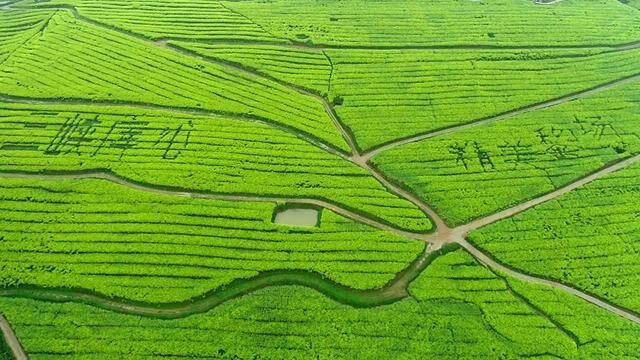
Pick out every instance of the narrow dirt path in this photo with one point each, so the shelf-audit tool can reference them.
(301, 45)
(11, 339)
(509, 114)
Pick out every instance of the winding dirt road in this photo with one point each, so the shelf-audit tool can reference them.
(11, 339)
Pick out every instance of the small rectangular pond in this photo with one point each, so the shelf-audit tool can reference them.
(296, 216)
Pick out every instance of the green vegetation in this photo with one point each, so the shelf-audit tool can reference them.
(457, 310)
(5, 351)
(103, 65)
(391, 94)
(104, 237)
(188, 19)
(309, 68)
(16, 27)
(284, 179)
(444, 22)
(207, 154)
(587, 238)
(478, 171)
(394, 94)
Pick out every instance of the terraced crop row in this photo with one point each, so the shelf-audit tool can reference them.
(190, 19)
(309, 68)
(478, 171)
(458, 308)
(16, 27)
(103, 65)
(386, 95)
(587, 238)
(206, 154)
(442, 22)
(103, 237)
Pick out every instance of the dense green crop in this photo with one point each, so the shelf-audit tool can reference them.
(147, 148)
(587, 238)
(16, 27)
(309, 68)
(103, 65)
(457, 310)
(104, 237)
(392, 94)
(179, 19)
(477, 171)
(445, 22)
(209, 154)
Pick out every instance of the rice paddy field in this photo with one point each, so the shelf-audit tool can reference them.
(305, 179)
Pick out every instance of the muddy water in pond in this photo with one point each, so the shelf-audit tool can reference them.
(297, 217)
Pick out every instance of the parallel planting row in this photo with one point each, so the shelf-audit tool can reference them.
(309, 68)
(387, 95)
(589, 238)
(457, 308)
(478, 171)
(104, 237)
(106, 66)
(400, 23)
(17, 27)
(189, 19)
(206, 154)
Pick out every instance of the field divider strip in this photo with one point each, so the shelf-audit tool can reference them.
(369, 154)
(12, 340)
(459, 235)
(507, 213)
(292, 43)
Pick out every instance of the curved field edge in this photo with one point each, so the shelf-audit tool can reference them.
(390, 293)
(588, 240)
(453, 299)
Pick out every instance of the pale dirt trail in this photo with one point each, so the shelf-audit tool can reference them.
(366, 156)
(11, 339)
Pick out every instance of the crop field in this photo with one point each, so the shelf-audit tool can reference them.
(68, 235)
(588, 238)
(305, 179)
(477, 171)
(453, 299)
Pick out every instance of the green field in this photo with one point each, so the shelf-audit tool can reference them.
(306, 179)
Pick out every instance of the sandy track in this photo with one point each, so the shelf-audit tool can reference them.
(12, 340)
